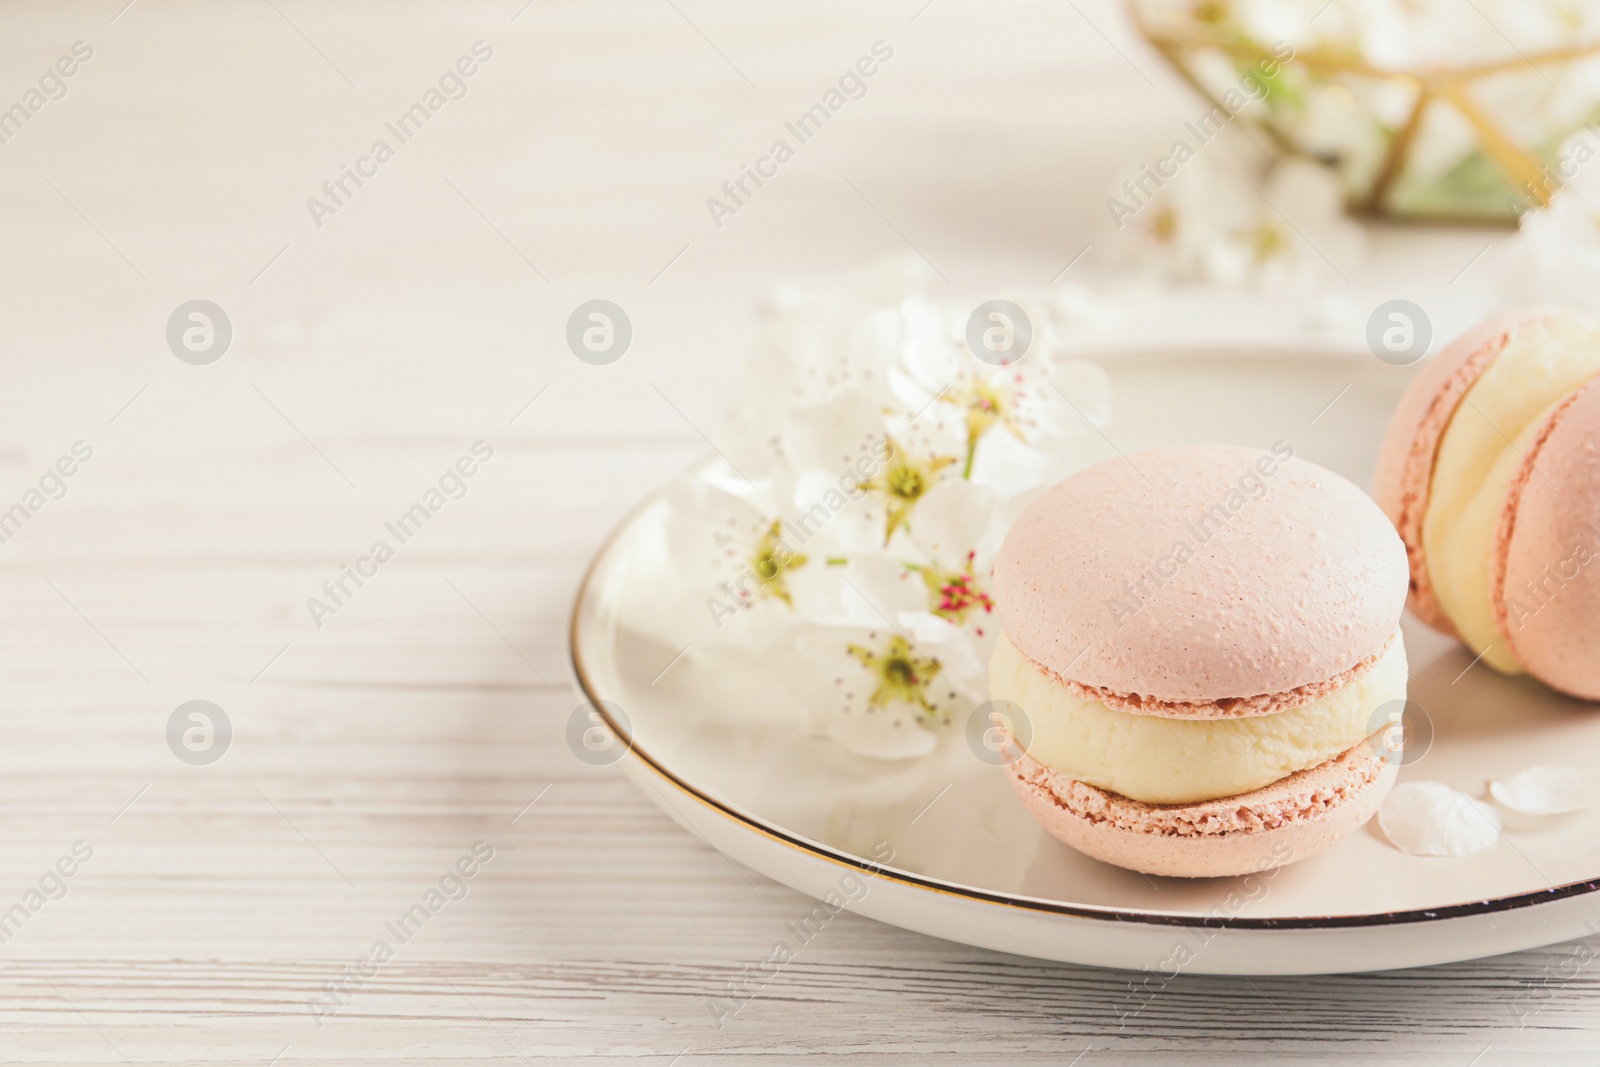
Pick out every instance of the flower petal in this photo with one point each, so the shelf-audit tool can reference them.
(831, 437)
(1009, 466)
(708, 528)
(1436, 819)
(954, 518)
(948, 643)
(883, 734)
(927, 351)
(880, 586)
(1548, 789)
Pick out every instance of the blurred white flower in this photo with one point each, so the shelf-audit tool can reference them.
(1215, 223)
(1301, 233)
(1010, 418)
(1555, 256)
(859, 563)
(1394, 34)
(1187, 230)
(1539, 84)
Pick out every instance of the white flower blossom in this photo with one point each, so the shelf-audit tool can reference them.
(859, 561)
(1555, 257)
(1215, 223)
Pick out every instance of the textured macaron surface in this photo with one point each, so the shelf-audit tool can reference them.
(1286, 821)
(1546, 557)
(1404, 475)
(1212, 573)
(1502, 416)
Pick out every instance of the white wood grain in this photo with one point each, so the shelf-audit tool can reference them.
(372, 752)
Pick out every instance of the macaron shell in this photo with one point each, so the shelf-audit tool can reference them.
(1282, 823)
(1404, 472)
(1549, 538)
(1299, 583)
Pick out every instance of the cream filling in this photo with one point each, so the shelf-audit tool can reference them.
(1477, 457)
(1163, 760)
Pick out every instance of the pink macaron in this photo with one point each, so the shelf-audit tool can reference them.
(1543, 561)
(1547, 551)
(1405, 459)
(1223, 591)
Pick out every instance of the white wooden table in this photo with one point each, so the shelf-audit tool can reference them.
(369, 754)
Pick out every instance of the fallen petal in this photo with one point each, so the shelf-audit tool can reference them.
(1435, 819)
(1548, 789)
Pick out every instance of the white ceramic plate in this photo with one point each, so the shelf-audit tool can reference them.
(970, 865)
